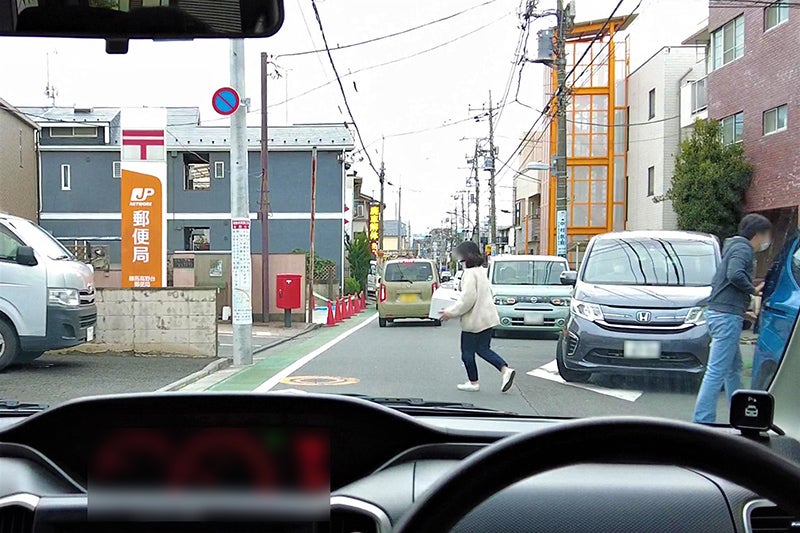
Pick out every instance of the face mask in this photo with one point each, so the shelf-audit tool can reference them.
(764, 245)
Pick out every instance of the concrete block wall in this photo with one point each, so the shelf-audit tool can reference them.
(157, 321)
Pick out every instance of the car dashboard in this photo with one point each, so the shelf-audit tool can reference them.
(336, 464)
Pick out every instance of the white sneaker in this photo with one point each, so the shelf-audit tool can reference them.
(508, 379)
(469, 386)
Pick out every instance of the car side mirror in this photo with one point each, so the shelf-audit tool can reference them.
(568, 277)
(26, 257)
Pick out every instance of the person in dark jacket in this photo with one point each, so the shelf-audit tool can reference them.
(731, 291)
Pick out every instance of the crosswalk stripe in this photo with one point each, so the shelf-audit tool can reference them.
(550, 373)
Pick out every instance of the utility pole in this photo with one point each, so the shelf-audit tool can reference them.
(241, 262)
(493, 205)
(492, 169)
(561, 126)
(264, 203)
(400, 232)
(313, 228)
(382, 178)
(477, 175)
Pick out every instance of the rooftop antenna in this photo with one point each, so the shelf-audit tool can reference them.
(50, 91)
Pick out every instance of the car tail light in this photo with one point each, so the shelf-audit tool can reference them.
(434, 286)
(382, 293)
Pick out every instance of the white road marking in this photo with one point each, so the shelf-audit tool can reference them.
(550, 372)
(289, 370)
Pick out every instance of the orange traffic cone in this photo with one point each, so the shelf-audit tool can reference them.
(331, 321)
(348, 312)
(338, 310)
(356, 304)
(363, 299)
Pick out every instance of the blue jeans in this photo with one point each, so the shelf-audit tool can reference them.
(724, 364)
(472, 343)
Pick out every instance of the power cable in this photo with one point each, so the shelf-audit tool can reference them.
(341, 87)
(383, 37)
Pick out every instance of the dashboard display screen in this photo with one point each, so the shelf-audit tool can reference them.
(224, 468)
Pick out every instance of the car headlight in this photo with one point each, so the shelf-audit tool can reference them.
(68, 297)
(504, 300)
(559, 301)
(585, 310)
(696, 315)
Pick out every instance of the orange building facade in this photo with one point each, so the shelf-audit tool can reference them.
(596, 136)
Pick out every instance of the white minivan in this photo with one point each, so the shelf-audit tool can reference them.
(46, 295)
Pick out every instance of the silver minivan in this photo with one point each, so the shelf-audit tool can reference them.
(46, 295)
(638, 305)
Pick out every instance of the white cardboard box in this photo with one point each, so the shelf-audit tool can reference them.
(442, 299)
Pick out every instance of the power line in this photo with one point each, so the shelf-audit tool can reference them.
(383, 37)
(390, 62)
(341, 87)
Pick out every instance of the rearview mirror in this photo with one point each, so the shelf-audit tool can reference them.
(568, 277)
(25, 256)
(117, 21)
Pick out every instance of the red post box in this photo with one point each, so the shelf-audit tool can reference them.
(289, 287)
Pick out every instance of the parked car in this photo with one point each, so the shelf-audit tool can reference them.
(405, 290)
(528, 292)
(779, 309)
(372, 278)
(46, 295)
(637, 305)
(446, 275)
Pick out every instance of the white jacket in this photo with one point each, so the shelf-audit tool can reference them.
(476, 306)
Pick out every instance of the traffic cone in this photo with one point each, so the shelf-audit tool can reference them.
(347, 310)
(331, 321)
(363, 299)
(338, 310)
(356, 304)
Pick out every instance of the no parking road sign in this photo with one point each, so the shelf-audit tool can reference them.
(225, 101)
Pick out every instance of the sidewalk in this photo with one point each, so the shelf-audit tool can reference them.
(269, 361)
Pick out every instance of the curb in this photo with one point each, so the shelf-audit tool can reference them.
(225, 362)
(311, 327)
(207, 370)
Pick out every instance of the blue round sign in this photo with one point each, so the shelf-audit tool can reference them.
(225, 101)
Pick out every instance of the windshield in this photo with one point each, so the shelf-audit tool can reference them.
(410, 271)
(651, 261)
(528, 272)
(40, 240)
(420, 156)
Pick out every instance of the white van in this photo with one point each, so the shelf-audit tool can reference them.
(46, 295)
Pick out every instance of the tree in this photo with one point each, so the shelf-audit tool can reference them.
(359, 255)
(709, 182)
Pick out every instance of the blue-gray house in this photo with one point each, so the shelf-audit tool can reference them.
(80, 181)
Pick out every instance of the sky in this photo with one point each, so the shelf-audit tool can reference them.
(474, 54)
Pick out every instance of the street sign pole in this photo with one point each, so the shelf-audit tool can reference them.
(241, 262)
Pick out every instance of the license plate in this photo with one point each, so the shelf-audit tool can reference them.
(90, 334)
(642, 349)
(533, 319)
(408, 298)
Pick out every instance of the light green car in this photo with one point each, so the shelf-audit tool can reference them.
(528, 292)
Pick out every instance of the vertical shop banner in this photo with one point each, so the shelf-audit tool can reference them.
(374, 227)
(143, 198)
(241, 271)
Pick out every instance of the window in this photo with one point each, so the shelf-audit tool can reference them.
(196, 239)
(651, 181)
(727, 43)
(651, 104)
(651, 261)
(528, 272)
(361, 210)
(197, 172)
(775, 119)
(116, 169)
(775, 14)
(409, 271)
(517, 213)
(732, 127)
(699, 95)
(8, 245)
(219, 169)
(68, 131)
(66, 178)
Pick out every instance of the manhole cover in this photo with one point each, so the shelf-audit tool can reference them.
(318, 381)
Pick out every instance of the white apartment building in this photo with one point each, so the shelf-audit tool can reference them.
(657, 94)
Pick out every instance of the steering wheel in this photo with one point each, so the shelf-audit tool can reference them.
(602, 440)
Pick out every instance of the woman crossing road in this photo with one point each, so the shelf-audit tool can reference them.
(478, 317)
